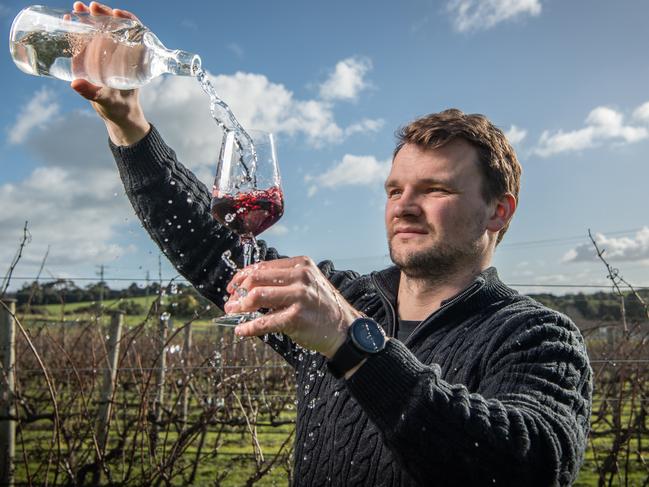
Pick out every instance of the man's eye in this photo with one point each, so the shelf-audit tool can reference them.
(394, 192)
(434, 190)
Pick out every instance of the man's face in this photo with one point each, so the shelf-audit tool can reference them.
(435, 215)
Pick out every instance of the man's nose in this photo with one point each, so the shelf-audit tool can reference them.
(407, 205)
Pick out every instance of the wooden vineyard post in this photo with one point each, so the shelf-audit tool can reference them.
(7, 391)
(186, 354)
(158, 402)
(110, 376)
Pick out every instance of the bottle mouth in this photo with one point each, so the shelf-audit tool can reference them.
(195, 65)
(188, 63)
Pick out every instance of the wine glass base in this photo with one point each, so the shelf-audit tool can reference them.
(236, 318)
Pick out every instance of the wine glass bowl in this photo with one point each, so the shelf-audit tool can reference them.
(247, 194)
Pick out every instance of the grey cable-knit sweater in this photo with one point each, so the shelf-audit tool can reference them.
(491, 389)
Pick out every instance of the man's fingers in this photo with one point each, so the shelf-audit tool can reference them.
(265, 266)
(97, 8)
(80, 7)
(269, 323)
(258, 277)
(118, 12)
(263, 297)
(86, 89)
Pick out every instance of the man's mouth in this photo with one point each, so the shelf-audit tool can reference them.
(409, 232)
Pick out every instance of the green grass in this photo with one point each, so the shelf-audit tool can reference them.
(67, 312)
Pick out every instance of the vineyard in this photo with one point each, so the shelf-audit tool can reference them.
(105, 398)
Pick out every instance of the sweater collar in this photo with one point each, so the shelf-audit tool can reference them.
(487, 288)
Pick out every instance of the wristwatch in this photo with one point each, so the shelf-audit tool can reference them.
(364, 338)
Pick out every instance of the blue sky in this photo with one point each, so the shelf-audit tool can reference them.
(567, 81)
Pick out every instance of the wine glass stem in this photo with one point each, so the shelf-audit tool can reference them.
(248, 244)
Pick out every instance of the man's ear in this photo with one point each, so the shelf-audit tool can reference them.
(503, 211)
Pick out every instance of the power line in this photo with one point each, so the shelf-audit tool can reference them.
(558, 240)
(185, 281)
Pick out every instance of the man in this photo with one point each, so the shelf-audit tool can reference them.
(431, 372)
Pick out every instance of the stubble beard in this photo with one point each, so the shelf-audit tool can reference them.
(436, 263)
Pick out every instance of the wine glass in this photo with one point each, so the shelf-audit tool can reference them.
(247, 196)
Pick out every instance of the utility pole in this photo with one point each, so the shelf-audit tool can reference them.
(146, 289)
(102, 268)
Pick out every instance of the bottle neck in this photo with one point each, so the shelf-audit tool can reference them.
(182, 63)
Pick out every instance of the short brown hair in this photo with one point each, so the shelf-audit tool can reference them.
(500, 167)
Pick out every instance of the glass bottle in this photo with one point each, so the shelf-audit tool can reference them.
(105, 50)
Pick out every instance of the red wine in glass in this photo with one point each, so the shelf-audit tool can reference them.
(246, 198)
(248, 213)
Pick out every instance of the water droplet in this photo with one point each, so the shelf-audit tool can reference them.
(173, 183)
(476, 444)
(189, 200)
(336, 393)
(169, 201)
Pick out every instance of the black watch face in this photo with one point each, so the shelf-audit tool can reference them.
(368, 335)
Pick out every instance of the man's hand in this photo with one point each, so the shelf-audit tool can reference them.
(120, 109)
(305, 304)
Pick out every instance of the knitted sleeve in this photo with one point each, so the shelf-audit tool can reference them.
(525, 425)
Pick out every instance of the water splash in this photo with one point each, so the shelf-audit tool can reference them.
(229, 123)
(227, 258)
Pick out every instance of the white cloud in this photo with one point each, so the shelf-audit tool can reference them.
(351, 170)
(180, 109)
(40, 110)
(365, 125)
(642, 113)
(602, 124)
(236, 49)
(473, 15)
(189, 24)
(515, 135)
(347, 79)
(74, 212)
(277, 230)
(619, 249)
